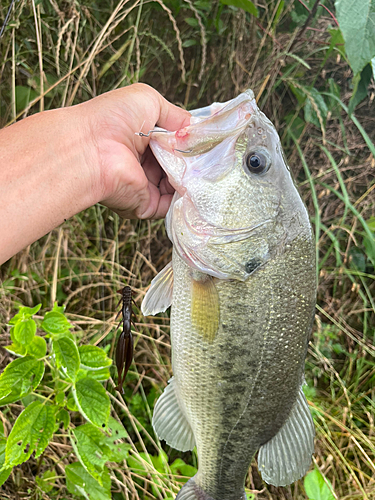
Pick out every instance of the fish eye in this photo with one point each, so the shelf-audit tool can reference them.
(257, 162)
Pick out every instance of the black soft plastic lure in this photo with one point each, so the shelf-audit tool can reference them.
(124, 348)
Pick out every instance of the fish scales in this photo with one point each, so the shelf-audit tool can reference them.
(243, 250)
(249, 365)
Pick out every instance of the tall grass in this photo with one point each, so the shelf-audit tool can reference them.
(61, 53)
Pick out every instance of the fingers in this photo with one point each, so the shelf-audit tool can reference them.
(158, 205)
(165, 114)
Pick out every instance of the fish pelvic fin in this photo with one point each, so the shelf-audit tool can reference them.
(159, 296)
(205, 311)
(192, 491)
(169, 420)
(287, 456)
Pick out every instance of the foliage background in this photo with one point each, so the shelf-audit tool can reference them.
(295, 59)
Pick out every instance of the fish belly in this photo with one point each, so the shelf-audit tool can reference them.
(238, 389)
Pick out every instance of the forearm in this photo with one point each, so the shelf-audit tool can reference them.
(44, 176)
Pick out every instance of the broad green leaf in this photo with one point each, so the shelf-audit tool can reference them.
(24, 331)
(357, 23)
(183, 469)
(90, 448)
(30, 311)
(79, 482)
(20, 378)
(57, 308)
(24, 313)
(92, 401)
(31, 432)
(67, 356)
(360, 87)
(37, 348)
(93, 357)
(4, 473)
(16, 348)
(118, 451)
(100, 375)
(55, 322)
(316, 488)
(242, 4)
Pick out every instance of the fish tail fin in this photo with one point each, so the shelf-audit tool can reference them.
(192, 491)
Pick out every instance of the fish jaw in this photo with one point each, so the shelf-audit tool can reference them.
(208, 128)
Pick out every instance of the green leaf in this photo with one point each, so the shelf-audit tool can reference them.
(60, 399)
(337, 41)
(37, 348)
(16, 348)
(55, 322)
(57, 308)
(191, 21)
(357, 21)
(100, 375)
(93, 357)
(24, 331)
(67, 357)
(30, 311)
(118, 451)
(371, 223)
(71, 403)
(64, 417)
(92, 401)
(79, 482)
(24, 95)
(315, 108)
(31, 432)
(183, 469)
(91, 450)
(242, 4)
(24, 313)
(316, 488)
(360, 87)
(4, 473)
(47, 481)
(189, 43)
(357, 259)
(20, 378)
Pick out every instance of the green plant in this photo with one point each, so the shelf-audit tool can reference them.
(318, 487)
(55, 378)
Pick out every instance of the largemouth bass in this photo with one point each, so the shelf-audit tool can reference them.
(242, 285)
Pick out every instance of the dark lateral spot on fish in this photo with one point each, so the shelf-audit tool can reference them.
(252, 265)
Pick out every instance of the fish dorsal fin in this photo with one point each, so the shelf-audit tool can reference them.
(205, 311)
(170, 422)
(287, 456)
(159, 296)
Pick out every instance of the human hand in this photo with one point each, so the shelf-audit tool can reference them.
(130, 180)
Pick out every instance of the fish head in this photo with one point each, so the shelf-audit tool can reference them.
(235, 204)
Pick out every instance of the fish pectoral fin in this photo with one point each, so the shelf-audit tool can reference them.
(205, 311)
(169, 421)
(159, 296)
(287, 456)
